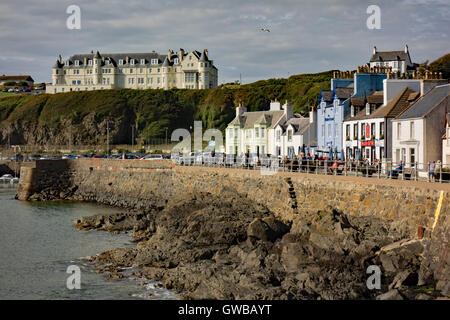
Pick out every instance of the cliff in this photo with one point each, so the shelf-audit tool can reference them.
(81, 117)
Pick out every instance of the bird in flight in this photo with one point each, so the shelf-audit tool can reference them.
(265, 29)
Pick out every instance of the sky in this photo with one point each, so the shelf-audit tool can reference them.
(305, 36)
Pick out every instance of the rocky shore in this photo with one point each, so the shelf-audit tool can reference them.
(209, 246)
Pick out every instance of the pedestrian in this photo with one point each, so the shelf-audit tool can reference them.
(431, 171)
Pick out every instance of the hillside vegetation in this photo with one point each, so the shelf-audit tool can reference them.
(81, 117)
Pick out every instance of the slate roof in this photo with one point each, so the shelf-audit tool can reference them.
(376, 97)
(400, 55)
(395, 107)
(300, 125)
(115, 57)
(248, 119)
(342, 93)
(426, 103)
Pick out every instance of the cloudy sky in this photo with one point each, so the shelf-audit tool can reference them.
(305, 35)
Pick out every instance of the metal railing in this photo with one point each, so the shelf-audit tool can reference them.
(429, 172)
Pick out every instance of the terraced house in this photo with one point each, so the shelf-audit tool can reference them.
(96, 71)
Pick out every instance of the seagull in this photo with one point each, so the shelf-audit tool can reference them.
(265, 30)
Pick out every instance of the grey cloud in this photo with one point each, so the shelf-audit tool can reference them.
(306, 36)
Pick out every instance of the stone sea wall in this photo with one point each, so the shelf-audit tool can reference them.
(147, 185)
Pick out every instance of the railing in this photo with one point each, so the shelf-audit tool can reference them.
(380, 170)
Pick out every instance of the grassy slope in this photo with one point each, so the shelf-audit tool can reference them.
(154, 110)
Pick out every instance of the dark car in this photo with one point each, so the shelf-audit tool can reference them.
(16, 157)
(35, 157)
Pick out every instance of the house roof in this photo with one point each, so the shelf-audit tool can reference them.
(426, 103)
(376, 97)
(248, 119)
(299, 123)
(400, 55)
(115, 57)
(395, 107)
(18, 78)
(342, 93)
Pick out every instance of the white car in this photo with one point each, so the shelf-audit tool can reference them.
(152, 157)
(6, 178)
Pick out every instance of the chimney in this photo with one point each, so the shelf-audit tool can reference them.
(206, 51)
(59, 58)
(312, 115)
(275, 105)
(288, 110)
(85, 61)
(181, 54)
(374, 49)
(127, 58)
(240, 109)
(406, 48)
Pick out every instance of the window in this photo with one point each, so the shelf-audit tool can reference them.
(175, 61)
(411, 130)
(289, 134)
(141, 70)
(154, 61)
(256, 132)
(159, 70)
(132, 62)
(131, 70)
(362, 130)
(381, 130)
(403, 155)
(89, 62)
(142, 61)
(262, 132)
(355, 131)
(106, 62)
(190, 57)
(278, 135)
(372, 129)
(77, 63)
(399, 130)
(130, 80)
(412, 156)
(347, 130)
(120, 62)
(66, 63)
(367, 109)
(236, 132)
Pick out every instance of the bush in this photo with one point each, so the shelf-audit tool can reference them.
(10, 84)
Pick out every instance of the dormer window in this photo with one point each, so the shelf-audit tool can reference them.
(107, 62)
(120, 62)
(175, 61)
(367, 109)
(77, 63)
(66, 63)
(154, 61)
(352, 111)
(142, 61)
(90, 62)
(132, 62)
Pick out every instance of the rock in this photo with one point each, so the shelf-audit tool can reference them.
(423, 296)
(267, 229)
(404, 278)
(390, 295)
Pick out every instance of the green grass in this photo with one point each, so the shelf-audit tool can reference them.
(6, 94)
(154, 110)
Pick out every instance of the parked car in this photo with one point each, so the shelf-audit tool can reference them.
(34, 157)
(5, 90)
(151, 157)
(6, 178)
(11, 90)
(16, 157)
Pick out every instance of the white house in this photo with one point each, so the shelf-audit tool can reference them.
(295, 136)
(276, 131)
(417, 132)
(446, 142)
(368, 126)
(399, 61)
(252, 132)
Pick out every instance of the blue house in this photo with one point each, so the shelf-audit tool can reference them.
(334, 106)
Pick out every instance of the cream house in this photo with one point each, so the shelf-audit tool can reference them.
(417, 132)
(398, 61)
(95, 71)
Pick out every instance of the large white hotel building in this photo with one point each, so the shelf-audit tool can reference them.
(95, 71)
